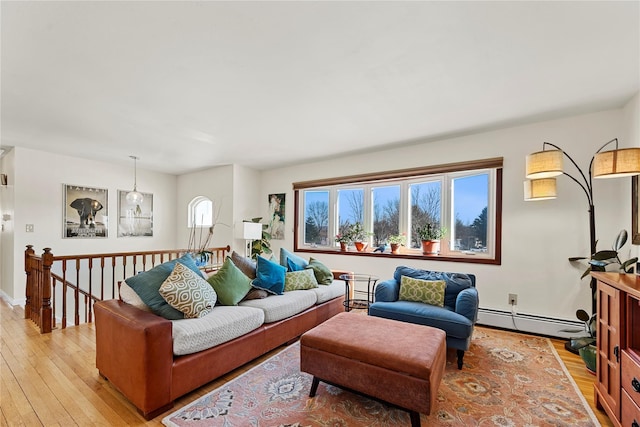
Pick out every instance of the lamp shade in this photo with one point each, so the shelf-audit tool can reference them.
(540, 189)
(617, 163)
(544, 164)
(251, 230)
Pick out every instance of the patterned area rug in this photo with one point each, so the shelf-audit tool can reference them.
(508, 380)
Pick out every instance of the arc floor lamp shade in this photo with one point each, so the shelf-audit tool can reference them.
(617, 163)
(544, 164)
(540, 189)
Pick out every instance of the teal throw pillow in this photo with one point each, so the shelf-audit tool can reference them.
(147, 285)
(426, 291)
(286, 255)
(324, 276)
(230, 283)
(269, 276)
(188, 292)
(301, 279)
(293, 266)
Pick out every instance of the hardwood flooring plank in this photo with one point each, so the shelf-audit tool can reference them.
(53, 377)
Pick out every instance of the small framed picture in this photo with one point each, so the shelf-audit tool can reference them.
(135, 220)
(85, 212)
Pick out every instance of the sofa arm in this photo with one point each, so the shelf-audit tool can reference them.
(387, 291)
(467, 304)
(134, 351)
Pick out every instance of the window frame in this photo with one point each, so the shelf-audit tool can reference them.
(192, 221)
(446, 173)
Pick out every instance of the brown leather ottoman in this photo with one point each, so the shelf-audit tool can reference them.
(397, 362)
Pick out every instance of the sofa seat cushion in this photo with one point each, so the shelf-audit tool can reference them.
(329, 292)
(454, 324)
(223, 324)
(278, 307)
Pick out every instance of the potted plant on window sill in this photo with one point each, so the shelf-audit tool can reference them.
(430, 235)
(359, 235)
(395, 241)
(344, 240)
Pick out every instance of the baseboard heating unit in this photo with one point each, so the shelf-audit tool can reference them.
(530, 323)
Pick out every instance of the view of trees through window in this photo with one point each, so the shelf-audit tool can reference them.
(458, 202)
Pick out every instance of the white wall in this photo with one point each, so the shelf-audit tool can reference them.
(217, 185)
(631, 138)
(538, 237)
(7, 219)
(234, 190)
(38, 185)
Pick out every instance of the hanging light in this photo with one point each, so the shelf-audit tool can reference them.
(134, 197)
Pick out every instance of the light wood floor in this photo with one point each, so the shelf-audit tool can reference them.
(51, 379)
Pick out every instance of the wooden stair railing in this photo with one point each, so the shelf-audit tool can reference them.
(88, 278)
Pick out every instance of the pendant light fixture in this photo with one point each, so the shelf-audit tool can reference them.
(134, 197)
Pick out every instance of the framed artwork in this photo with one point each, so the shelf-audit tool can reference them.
(276, 216)
(85, 212)
(635, 221)
(135, 220)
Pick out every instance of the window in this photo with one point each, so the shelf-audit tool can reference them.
(465, 199)
(200, 212)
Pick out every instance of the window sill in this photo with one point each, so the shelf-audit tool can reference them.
(470, 259)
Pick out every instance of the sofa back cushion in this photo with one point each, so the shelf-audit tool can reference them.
(455, 282)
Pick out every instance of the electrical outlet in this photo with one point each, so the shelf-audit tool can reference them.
(513, 299)
(29, 228)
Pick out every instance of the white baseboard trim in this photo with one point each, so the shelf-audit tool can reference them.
(12, 301)
(529, 323)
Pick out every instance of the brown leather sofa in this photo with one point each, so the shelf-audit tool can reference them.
(134, 351)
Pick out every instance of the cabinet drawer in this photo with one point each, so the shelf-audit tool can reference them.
(630, 411)
(630, 370)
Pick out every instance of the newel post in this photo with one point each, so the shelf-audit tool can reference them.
(46, 315)
(28, 269)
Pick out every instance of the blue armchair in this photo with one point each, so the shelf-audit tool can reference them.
(457, 318)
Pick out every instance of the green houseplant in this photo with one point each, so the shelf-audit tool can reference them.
(430, 235)
(599, 261)
(263, 245)
(359, 235)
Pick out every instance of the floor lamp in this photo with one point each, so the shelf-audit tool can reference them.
(543, 166)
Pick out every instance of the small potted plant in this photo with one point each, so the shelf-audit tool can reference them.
(359, 235)
(344, 240)
(430, 235)
(395, 241)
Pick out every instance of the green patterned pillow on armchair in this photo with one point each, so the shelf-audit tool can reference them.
(426, 291)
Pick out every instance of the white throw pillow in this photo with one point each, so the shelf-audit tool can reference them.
(188, 292)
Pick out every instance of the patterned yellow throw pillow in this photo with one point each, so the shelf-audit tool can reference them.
(426, 291)
(301, 279)
(188, 292)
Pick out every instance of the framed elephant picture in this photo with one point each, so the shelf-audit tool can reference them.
(86, 213)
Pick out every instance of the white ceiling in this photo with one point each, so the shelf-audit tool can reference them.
(189, 85)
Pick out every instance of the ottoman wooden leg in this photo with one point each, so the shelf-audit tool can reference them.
(314, 386)
(415, 418)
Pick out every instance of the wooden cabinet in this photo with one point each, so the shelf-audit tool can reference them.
(617, 387)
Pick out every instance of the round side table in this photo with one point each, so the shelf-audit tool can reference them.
(350, 281)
